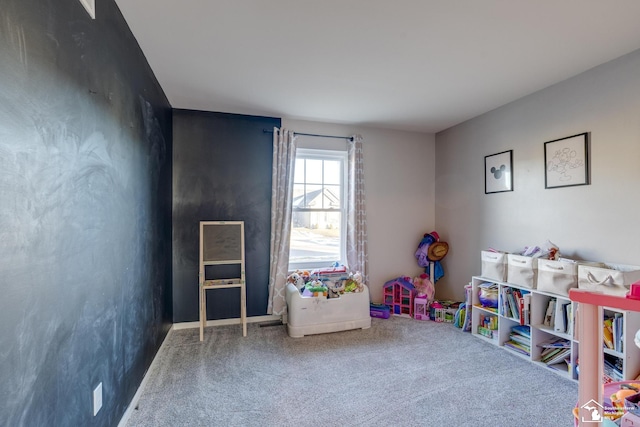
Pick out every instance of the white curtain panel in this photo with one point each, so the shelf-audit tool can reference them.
(284, 157)
(356, 214)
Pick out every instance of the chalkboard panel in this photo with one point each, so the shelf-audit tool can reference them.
(85, 208)
(221, 172)
(222, 241)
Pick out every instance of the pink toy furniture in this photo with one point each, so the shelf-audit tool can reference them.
(398, 295)
(421, 308)
(590, 338)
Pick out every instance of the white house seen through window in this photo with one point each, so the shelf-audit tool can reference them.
(318, 215)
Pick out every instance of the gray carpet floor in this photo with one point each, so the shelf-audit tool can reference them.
(400, 372)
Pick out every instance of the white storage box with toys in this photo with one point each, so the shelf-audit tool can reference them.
(328, 300)
(611, 279)
(561, 275)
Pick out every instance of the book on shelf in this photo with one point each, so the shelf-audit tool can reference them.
(564, 366)
(548, 353)
(569, 317)
(516, 304)
(617, 332)
(561, 317)
(520, 339)
(558, 357)
(526, 309)
(506, 305)
(612, 332)
(522, 330)
(513, 306)
(549, 316)
(558, 316)
(526, 350)
(607, 333)
(555, 343)
(613, 367)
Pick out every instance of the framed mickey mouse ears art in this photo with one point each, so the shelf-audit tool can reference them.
(498, 172)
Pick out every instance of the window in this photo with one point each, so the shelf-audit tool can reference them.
(318, 217)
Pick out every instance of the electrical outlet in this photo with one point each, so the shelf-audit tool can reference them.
(97, 399)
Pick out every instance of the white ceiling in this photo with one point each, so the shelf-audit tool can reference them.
(421, 65)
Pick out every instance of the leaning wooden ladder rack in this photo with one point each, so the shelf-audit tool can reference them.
(222, 243)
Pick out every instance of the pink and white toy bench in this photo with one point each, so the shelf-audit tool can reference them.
(590, 315)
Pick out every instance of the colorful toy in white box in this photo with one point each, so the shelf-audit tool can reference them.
(335, 288)
(354, 283)
(316, 288)
(297, 280)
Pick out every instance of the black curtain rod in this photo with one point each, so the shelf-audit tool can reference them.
(350, 138)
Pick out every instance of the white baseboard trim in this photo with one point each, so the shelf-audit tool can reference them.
(134, 401)
(223, 322)
(186, 325)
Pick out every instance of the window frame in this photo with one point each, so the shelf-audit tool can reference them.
(332, 155)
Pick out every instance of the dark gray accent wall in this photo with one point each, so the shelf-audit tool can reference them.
(221, 172)
(85, 213)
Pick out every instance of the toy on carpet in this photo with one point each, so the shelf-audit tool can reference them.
(421, 308)
(399, 294)
(424, 287)
(460, 318)
(443, 311)
(424, 293)
(379, 310)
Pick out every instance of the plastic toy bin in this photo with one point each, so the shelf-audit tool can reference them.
(379, 310)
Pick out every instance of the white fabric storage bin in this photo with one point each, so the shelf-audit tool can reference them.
(559, 276)
(611, 279)
(494, 265)
(522, 270)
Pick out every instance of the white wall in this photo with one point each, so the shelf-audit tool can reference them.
(595, 222)
(399, 170)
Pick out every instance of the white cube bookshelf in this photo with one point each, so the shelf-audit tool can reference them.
(629, 354)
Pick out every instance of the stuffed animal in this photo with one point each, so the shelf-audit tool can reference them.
(424, 287)
(317, 288)
(357, 277)
(305, 275)
(350, 285)
(332, 293)
(297, 280)
(354, 283)
(335, 288)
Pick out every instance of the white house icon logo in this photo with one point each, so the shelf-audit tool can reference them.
(594, 411)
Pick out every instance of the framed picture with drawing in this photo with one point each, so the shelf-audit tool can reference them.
(566, 161)
(498, 172)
